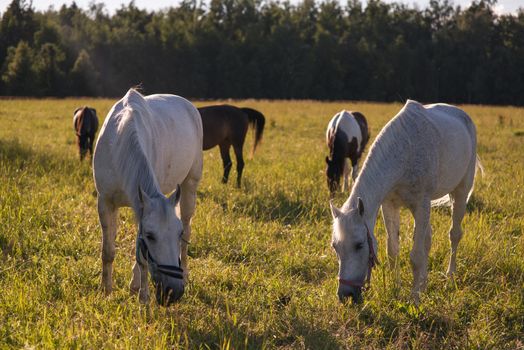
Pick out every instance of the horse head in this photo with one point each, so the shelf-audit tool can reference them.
(334, 171)
(158, 244)
(355, 248)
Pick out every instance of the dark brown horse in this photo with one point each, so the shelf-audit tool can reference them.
(346, 137)
(85, 123)
(226, 126)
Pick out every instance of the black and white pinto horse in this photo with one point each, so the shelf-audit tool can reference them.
(346, 136)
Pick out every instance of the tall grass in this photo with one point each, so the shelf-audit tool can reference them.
(262, 272)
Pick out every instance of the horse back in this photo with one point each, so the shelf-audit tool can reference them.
(346, 123)
(222, 124)
(85, 121)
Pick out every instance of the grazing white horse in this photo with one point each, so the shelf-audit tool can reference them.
(346, 137)
(149, 146)
(425, 153)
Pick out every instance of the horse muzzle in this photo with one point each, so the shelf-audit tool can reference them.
(345, 292)
(169, 291)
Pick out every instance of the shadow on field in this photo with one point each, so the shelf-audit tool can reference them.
(22, 157)
(270, 206)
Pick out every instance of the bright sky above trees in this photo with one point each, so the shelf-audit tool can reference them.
(503, 6)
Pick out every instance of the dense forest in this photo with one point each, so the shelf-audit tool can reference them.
(267, 49)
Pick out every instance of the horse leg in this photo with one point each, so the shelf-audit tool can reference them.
(421, 246)
(91, 141)
(345, 173)
(134, 285)
(107, 214)
(240, 161)
(187, 210)
(459, 197)
(354, 171)
(226, 160)
(143, 295)
(391, 216)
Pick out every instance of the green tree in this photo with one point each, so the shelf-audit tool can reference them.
(19, 76)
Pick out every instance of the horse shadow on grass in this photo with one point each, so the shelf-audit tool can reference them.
(235, 331)
(22, 157)
(274, 206)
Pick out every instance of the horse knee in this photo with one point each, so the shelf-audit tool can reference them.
(108, 254)
(455, 235)
(240, 164)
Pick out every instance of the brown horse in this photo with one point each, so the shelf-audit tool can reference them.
(226, 126)
(85, 123)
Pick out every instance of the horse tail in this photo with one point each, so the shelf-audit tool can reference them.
(257, 121)
(446, 200)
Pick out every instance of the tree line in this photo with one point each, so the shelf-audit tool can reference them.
(267, 49)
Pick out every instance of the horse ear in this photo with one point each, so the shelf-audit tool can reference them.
(335, 212)
(360, 206)
(143, 197)
(175, 197)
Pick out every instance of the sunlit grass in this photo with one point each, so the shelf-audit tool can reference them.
(263, 274)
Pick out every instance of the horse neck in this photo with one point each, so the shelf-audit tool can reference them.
(382, 169)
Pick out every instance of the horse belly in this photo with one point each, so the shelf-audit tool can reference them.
(182, 150)
(456, 154)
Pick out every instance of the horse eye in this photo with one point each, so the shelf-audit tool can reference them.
(150, 236)
(359, 246)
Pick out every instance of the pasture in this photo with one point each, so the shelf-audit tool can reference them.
(263, 274)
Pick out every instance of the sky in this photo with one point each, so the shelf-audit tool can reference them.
(503, 6)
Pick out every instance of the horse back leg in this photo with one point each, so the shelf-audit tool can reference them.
(90, 144)
(240, 161)
(459, 197)
(226, 160)
(187, 210)
(107, 214)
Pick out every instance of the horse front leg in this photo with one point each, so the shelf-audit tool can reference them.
(391, 216)
(143, 295)
(108, 221)
(345, 173)
(187, 210)
(421, 246)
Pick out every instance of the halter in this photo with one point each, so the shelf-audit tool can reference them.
(169, 270)
(372, 261)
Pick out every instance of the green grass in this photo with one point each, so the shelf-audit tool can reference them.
(262, 271)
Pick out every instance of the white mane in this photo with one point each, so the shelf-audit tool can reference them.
(135, 131)
(389, 151)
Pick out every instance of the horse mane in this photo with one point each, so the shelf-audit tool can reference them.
(391, 146)
(130, 148)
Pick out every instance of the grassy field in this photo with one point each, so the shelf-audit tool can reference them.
(263, 273)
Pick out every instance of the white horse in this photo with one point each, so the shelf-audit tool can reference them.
(425, 155)
(149, 146)
(346, 137)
